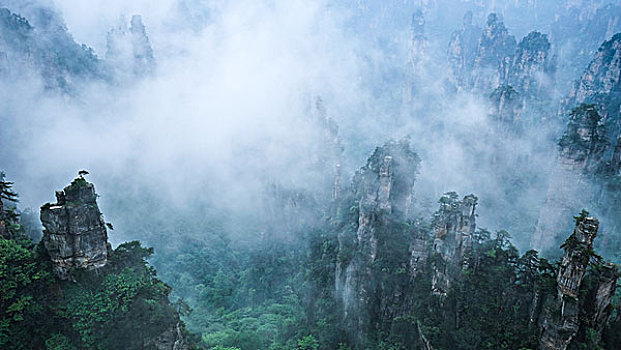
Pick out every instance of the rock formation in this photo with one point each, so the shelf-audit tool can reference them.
(595, 306)
(531, 67)
(578, 30)
(566, 313)
(462, 52)
(171, 339)
(517, 77)
(75, 234)
(418, 62)
(572, 186)
(495, 50)
(128, 49)
(600, 84)
(588, 162)
(454, 225)
(506, 105)
(383, 190)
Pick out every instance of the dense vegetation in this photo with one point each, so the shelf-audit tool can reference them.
(273, 295)
(281, 296)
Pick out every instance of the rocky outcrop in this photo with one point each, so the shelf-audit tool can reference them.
(565, 314)
(171, 339)
(383, 191)
(418, 61)
(578, 30)
(517, 77)
(454, 225)
(600, 84)
(572, 185)
(462, 52)
(128, 48)
(596, 305)
(506, 105)
(495, 50)
(75, 234)
(532, 70)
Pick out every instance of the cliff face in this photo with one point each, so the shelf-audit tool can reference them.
(495, 49)
(419, 61)
(572, 185)
(462, 52)
(595, 306)
(531, 68)
(75, 237)
(75, 234)
(35, 42)
(129, 50)
(569, 312)
(383, 189)
(454, 226)
(578, 30)
(587, 172)
(517, 77)
(600, 84)
(171, 339)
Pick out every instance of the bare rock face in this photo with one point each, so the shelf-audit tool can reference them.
(600, 84)
(560, 322)
(577, 32)
(462, 52)
(171, 339)
(454, 226)
(419, 60)
(506, 105)
(596, 148)
(383, 189)
(577, 254)
(517, 77)
(75, 233)
(595, 306)
(495, 50)
(532, 69)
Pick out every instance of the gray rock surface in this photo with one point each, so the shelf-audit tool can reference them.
(560, 321)
(171, 339)
(454, 226)
(75, 234)
(383, 189)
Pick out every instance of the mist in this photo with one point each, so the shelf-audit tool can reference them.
(229, 107)
(351, 174)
